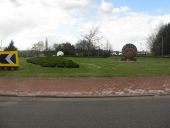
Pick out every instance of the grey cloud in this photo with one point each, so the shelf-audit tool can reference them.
(15, 2)
(13, 26)
(68, 5)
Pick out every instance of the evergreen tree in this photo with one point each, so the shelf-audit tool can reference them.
(160, 43)
(67, 48)
(11, 47)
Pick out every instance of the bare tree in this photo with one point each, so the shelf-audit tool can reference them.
(38, 47)
(108, 46)
(150, 40)
(92, 38)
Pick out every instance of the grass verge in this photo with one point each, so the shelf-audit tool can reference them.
(96, 67)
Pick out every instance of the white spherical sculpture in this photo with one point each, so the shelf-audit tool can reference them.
(60, 53)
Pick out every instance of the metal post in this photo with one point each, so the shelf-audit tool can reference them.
(162, 45)
(98, 50)
(1, 45)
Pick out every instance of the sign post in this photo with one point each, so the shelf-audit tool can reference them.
(9, 60)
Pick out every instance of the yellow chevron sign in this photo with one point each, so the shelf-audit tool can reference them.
(9, 59)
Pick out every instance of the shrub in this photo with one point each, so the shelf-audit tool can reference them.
(60, 65)
(59, 62)
(48, 64)
(70, 64)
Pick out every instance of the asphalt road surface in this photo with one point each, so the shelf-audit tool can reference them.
(141, 112)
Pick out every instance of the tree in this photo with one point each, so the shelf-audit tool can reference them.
(93, 36)
(38, 48)
(83, 48)
(11, 47)
(150, 40)
(88, 45)
(160, 43)
(67, 48)
(107, 49)
(108, 46)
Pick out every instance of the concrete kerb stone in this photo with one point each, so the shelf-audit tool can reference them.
(92, 96)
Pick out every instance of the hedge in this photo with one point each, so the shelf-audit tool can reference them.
(53, 61)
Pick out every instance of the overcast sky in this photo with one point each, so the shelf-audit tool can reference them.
(119, 21)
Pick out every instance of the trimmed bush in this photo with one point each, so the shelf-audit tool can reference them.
(59, 62)
(70, 64)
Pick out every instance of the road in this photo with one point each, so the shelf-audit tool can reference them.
(136, 112)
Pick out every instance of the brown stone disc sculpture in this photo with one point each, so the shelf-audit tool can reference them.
(129, 52)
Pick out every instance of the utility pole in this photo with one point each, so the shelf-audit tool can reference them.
(162, 45)
(46, 44)
(1, 45)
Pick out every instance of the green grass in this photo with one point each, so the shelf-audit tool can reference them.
(96, 67)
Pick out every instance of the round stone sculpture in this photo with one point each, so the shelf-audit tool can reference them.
(129, 52)
(60, 53)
